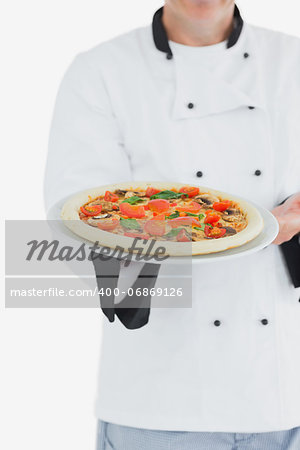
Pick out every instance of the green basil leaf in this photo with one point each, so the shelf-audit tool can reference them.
(173, 232)
(130, 224)
(200, 216)
(173, 216)
(200, 228)
(132, 200)
(167, 195)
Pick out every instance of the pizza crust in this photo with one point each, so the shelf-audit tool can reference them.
(71, 219)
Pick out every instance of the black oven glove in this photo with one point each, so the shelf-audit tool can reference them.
(134, 310)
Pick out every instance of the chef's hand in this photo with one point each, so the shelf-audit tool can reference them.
(288, 216)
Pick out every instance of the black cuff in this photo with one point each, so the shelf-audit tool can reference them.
(291, 254)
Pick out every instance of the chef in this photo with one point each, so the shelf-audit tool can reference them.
(202, 98)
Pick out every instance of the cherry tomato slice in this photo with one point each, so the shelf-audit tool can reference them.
(182, 237)
(178, 221)
(136, 211)
(212, 218)
(192, 207)
(159, 205)
(108, 224)
(92, 210)
(110, 197)
(155, 227)
(192, 191)
(158, 216)
(214, 232)
(151, 191)
(136, 235)
(221, 206)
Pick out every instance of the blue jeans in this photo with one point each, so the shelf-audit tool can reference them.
(117, 437)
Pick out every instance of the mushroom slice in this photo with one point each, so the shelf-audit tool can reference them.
(206, 199)
(209, 197)
(120, 191)
(135, 193)
(230, 212)
(102, 216)
(93, 221)
(229, 231)
(129, 194)
(202, 201)
(232, 215)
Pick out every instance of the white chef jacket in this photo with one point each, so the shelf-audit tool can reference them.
(123, 112)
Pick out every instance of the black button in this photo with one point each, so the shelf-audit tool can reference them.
(217, 323)
(251, 107)
(199, 174)
(264, 321)
(257, 172)
(190, 105)
(246, 55)
(169, 56)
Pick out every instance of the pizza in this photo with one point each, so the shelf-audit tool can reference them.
(185, 219)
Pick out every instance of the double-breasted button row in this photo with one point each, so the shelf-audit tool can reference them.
(191, 105)
(170, 56)
(218, 323)
(199, 173)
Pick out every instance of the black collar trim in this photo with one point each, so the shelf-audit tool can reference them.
(161, 39)
(237, 28)
(159, 33)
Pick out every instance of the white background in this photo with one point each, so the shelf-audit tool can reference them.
(49, 358)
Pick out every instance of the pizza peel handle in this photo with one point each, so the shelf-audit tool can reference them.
(133, 311)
